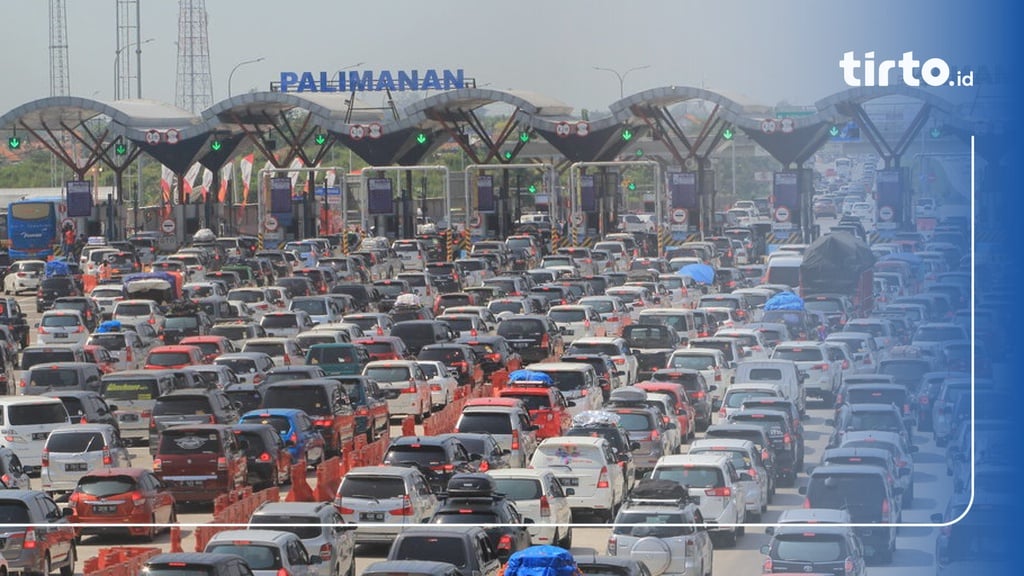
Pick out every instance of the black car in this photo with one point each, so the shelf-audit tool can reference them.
(84, 305)
(461, 357)
(445, 276)
(298, 286)
(824, 549)
(86, 407)
(178, 326)
(494, 352)
(697, 390)
(419, 333)
(12, 316)
(471, 499)
(52, 288)
(263, 452)
(248, 396)
(603, 365)
(534, 337)
(388, 290)
(493, 456)
(780, 434)
(363, 296)
(437, 457)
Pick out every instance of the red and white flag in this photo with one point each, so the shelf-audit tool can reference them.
(166, 178)
(332, 177)
(190, 180)
(245, 168)
(207, 182)
(225, 179)
(296, 163)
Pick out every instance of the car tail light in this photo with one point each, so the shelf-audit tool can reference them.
(21, 383)
(342, 509)
(545, 507)
(505, 543)
(602, 479)
(807, 505)
(752, 472)
(485, 466)
(885, 511)
(46, 457)
(515, 440)
(697, 395)
(287, 360)
(545, 341)
(283, 572)
(30, 539)
(264, 457)
(766, 566)
(213, 419)
(846, 364)
(720, 492)
(323, 422)
(21, 274)
(152, 319)
(325, 552)
(257, 379)
(923, 399)
(405, 510)
(128, 356)
(138, 498)
(718, 375)
(654, 436)
(411, 389)
(613, 546)
(787, 439)
(222, 463)
(848, 565)
(722, 413)
(107, 460)
(496, 357)
(619, 361)
(819, 367)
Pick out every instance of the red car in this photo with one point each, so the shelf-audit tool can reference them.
(549, 410)
(122, 496)
(687, 414)
(173, 356)
(199, 462)
(384, 347)
(211, 346)
(101, 357)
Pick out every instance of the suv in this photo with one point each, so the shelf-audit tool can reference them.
(192, 563)
(199, 462)
(822, 375)
(437, 457)
(321, 529)
(468, 548)
(189, 407)
(52, 288)
(326, 403)
(42, 539)
(472, 499)
(590, 467)
(660, 526)
(59, 376)
(419, 333)
(863, 417)
(383, 498)
(781, 434)
(73, 450)
(823, 548)
(720, 494)
(508, 420)
(534, 337)
(178, 326)
(404, 386)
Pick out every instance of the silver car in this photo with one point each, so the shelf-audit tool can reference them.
(267, 552)
(322, 530)
(382, 499)
(75, 450)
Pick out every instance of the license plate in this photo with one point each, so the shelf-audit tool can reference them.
(39, 435)
(59, 335)
(372, 516)
(76, 467)
(520, 344)
(190, 483)
(569, 481)
(568, 332)
(128, 417)
(104, 508)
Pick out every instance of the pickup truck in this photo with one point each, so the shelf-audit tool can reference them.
(369, 405)
(467, 547)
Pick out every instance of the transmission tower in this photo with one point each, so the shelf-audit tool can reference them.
(129, 40)
(194, 87)
(60, 81)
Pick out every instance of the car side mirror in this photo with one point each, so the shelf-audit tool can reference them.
(765, 548)
(289, 443)
(112, 407)
(745, 477)
(506, 452)
(802, 490)
(904, 472)
(532, 428)
(529, 521)
(570, 404)
(67, 512)
(830, 422)
(475, 457)
(569, 491)
(315, 560)
(712, 388)
(769, 531)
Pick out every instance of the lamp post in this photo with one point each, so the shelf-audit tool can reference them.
(622, 76)
(239, 65)
(349, 67)
(117, 68)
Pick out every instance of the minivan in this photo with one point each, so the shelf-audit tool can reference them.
(135, 392)
(781, 373)
(418, 333)
(27, 422)
(199, 462)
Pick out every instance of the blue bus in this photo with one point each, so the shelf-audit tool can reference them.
(33, 227)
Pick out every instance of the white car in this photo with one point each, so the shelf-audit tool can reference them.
(711, 364)
(371, 496)
(138, 312)
(442, 381)
(613, 311)
(106, 297)
(715, 483)
(589, 467)
(73, 451)
(404, 385)
(195, 290)
(193, 264)
(637, 298)
(286, 324)
(616, 348)
(490, 321)
(61, 327)
(577, 321)
(732, 402)
(745, 457)
(823, 376)
(267, 552)
(467, 325)
(283, 351)
(23, 276)
(321, 529)
(259, 299)
(411, 253)
(540, 497)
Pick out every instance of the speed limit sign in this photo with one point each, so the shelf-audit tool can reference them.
(679, 216)
(782, 214)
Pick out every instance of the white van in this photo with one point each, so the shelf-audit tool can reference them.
(27, 422)
(784, 269)
(781, 373)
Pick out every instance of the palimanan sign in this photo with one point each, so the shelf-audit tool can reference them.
(370, 81)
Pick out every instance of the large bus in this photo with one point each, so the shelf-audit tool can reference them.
(33, 227)
(844, 168)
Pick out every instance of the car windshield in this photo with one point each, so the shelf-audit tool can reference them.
(459, 323)
(230, 332)
(601, 306)
(181, 322)
(132, 310)
(798, 354)
(939, 334)
(169, 359)
(764, 374)
(182, 406)
(519, 488)
(460, 517)
(490, 422)
(102, 486)
(740, 459)
(594, 348)
(424, 455)
(305, 527)
(390, 290)
(643, 524)
(247, 296)
(568, 380)
(53, 377)
(431, 548)
(312, 399)
(258, 557)
(14, 512)
(60, 321)
(331, 355)
(809, 547)
(532, 401)
(636, 421)
(388, 373)
(279, 321)
(37, 413)
(692, 362)
(505, 306)
(691, 476)
(887, 421)
(572, 455)
(736, 399)
(268, 348)
(75, 442)
(853, 492)
(312, 307)
(827, 306)
(570, 315)
(279, 423)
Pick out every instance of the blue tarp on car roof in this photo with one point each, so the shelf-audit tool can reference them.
(784, 301)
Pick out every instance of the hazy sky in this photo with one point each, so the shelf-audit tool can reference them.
(765, 51)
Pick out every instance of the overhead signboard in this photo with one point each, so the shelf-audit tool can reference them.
(373, 81)
(588, 193)
(485, 193)
(682, 187)
(380, 196)
(281, 195)
(786, 193)
(79, 198)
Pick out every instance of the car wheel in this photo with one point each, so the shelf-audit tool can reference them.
(47, 568)
(151, 535)
(728, 539)
(418, 418)
(908, 498)
(69, 568)
(566, 541)
(885, 557)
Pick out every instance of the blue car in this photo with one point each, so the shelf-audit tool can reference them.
(303, 440)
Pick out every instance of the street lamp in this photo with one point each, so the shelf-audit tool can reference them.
(349, 67)
(117, 68)
(622, 76)
(239, 65)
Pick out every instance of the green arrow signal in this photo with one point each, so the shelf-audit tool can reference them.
(833, 131)
(320, 139)
(14, 142)
(524, 136)
(532, 189)
(215, 145)
(120, 149)
(631, 186)
(627, 135)
(508, 155)
(421, 138)
(935, 133)
(728, 133)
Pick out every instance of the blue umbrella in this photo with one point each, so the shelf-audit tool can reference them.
(701, 273)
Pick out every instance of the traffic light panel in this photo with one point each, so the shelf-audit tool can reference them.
(627, 134)
(216, 145)
(14, 143)
(320, 139)
(421, 138)
(935, 132)
(120, 149)
(728, 133)
(508, 155)
(524, 136)
(631, 186)
(532, 189)
(639, 153)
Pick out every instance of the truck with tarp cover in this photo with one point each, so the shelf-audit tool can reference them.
(839, 263)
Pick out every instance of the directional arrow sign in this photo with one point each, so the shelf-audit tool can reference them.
(532, 189)
(728, 134)
(14, 142)
(627, 135)
(320, 139)
(421, 138)
(120, 149)
(833, 131)
(524, 136)
(215, 145)
(935, 133)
